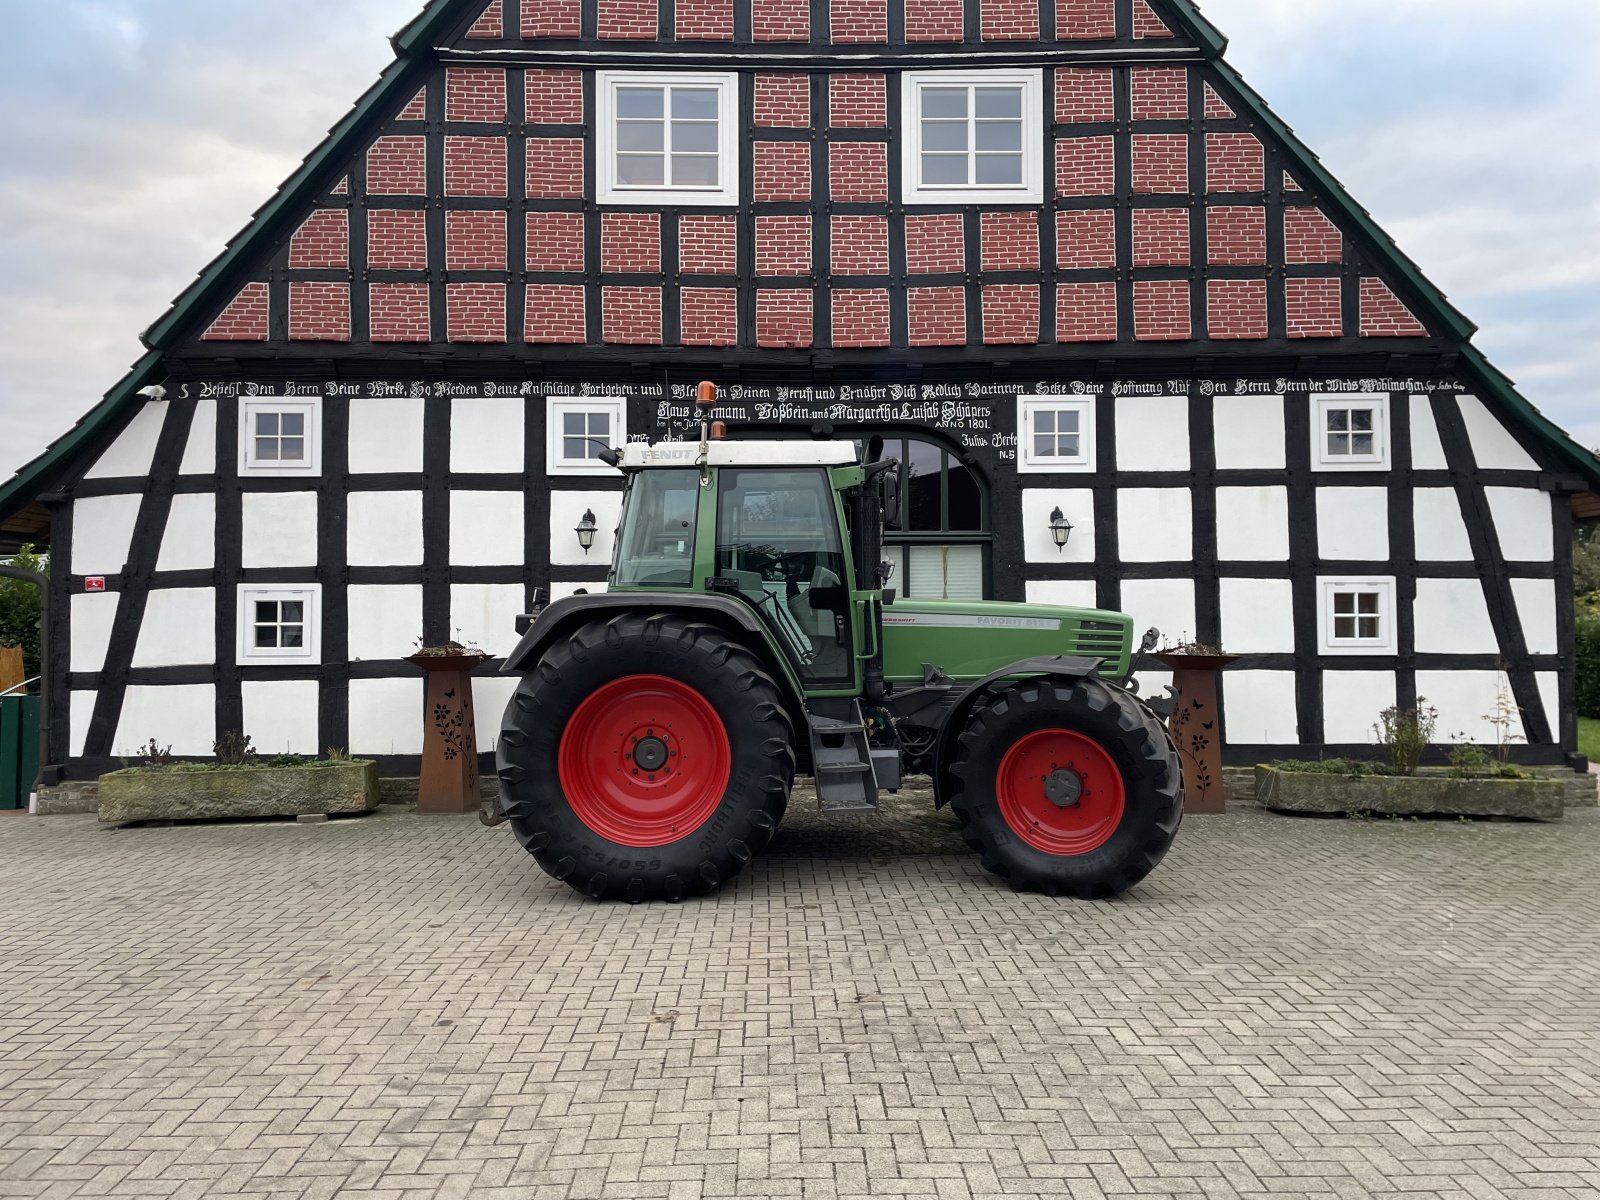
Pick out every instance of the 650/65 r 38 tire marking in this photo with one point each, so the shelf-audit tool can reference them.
(644, 761)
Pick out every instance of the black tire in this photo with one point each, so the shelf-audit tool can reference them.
(1129, 734)
(726, 676)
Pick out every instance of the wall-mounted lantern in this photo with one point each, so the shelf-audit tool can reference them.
(586, 530)
(1060, 529)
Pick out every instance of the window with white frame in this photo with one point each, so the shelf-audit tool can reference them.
(280, 436)
(1350, 433)
(1357, 616)
(1055, 434)
(668, 137)
(580, 430)
(280, 624)
(973, 137)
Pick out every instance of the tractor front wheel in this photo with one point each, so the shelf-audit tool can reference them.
(1067, 789)
(645, 758)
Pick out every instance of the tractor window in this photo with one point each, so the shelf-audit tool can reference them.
(656, 548)
(778, 546)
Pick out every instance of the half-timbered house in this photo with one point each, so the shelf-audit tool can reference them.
(1057, 251)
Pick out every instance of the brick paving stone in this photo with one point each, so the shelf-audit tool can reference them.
(403, 1007)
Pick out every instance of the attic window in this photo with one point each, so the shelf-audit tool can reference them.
(1350, 433)
(280, 437)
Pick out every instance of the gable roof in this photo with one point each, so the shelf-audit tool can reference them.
(413, 47)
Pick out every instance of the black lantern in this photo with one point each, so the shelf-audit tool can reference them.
(1060, 528)
(586, 530)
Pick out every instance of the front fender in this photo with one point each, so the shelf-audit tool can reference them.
(561, 617)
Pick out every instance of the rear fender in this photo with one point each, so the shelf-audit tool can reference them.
(1072, 669)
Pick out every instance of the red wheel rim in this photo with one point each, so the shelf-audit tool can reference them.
(644, 761)
(1060, 792)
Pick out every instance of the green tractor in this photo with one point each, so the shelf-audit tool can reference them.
(748, 635)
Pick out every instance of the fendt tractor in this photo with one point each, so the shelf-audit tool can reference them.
(749, 633)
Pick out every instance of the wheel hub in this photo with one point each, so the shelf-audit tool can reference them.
(1063, 788)
(650, 753)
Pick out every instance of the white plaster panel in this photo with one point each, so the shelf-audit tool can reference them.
(384, 529)
(1257, 616)
(561, 590)
(182, 716)
(386, 716)
(281, 715)
(80, 712)
(1071, 593)
(1452, 617)
(1493, 446)
(485, 615)
(1152, 433)
(190, 540)
(1259, 708)
(1351, 702)
(490, 696)
(385, 620)
(1549, 684)
(1164, 604)
(1525, 521)
(1536, 606)
(131, 455)
(1249, 432)
(1077, 505)
(1441, 531)
(179, 628)
(1427, 451)
(93, 616)
(566, 511)
(1155, 525)
(1253, 524)
(1466, 700)
(1353, 523)
(486, 529)
(200, 453)
(102, 532)
(486, 435)
(386, 435)
(280, 529)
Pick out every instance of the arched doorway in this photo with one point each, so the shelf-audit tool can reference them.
(942, 549)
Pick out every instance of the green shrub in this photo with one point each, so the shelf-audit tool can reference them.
(1586, 649)
(20, 608)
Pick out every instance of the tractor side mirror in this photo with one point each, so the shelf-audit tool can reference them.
(831, 598)
(891, 497)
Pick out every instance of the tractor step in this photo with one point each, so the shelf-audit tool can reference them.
(841, 759)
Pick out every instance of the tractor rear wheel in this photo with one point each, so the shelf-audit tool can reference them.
(645, 758)
(1067, 788)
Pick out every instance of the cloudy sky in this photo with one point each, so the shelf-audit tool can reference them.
(141, 134)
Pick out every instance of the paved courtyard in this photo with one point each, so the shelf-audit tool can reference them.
(404, 1007)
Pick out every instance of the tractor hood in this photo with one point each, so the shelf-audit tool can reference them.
(968, 639)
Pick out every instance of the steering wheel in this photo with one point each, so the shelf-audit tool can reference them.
(793, 566)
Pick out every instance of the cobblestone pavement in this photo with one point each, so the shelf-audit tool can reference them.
(403, 1007)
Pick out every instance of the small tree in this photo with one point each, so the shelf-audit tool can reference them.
(21, 606)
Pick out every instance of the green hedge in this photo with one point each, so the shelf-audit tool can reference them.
(1588, 656)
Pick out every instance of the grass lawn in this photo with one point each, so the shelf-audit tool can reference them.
(1589, 737)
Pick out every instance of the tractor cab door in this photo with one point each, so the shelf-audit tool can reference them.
(778, 548)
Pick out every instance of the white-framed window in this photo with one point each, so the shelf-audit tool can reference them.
(1055, 434)
(1357, 616)
(280, 624)
(1349, 433)
(279, 436)
(579, 430)
(973, 137)
(668, 137)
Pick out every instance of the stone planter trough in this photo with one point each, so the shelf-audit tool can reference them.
(1416, 795)
(142, 794)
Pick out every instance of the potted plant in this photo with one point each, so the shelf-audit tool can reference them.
(449, 782)
(239, 783)
(1194, 726)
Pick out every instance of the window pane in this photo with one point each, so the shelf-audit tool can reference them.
(966, 498)
(294, 425)
(1000, 169)
(266, 424)
(1344, 602)
(1367, 602)
(1361, 443)
(944, 170)
(293, 637)
(1044, 420)
(924, 483)
(1361, 419)
(1069, 444)
(640, 102)
(573, 422)
(1344, 627)
(1338, 420)
(1044, 446)
(266, 611)
(641, 137)
(944, 135)
(1338, 445)
(1067, 420)
(693, 139)
(999, 102)
(266, 637)
(640, 170)
(293, 611)
(1000, 135)
(1369, 627)
(694, 104)
(574, 447)
(944, 102)
(599, 424)
(292, 450)
(945, 572)
(694, 171)
(266, 449)
(660, 508)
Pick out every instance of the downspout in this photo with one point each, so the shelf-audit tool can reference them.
(41, 582)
